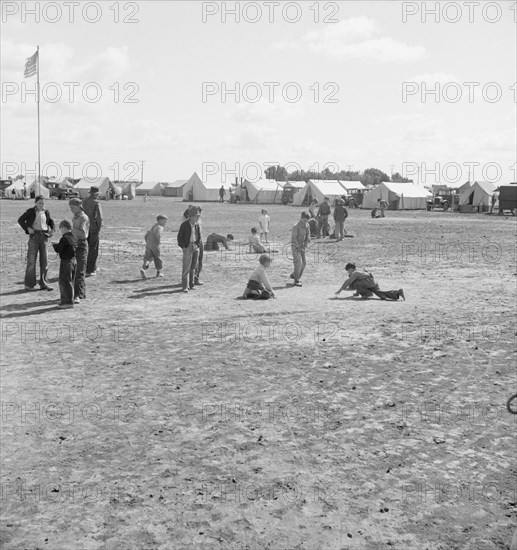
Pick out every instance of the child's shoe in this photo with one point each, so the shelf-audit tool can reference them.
(142, 273)
(159, 274)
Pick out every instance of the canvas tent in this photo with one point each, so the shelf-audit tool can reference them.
(17, 186)
(399, 196)
(264, 191)
(153, 188)
(128, 188)
(38, 187)
(352, 185)
(319, 189)
(478, 196)
(174, 189)
(203, 191)
(83, 186)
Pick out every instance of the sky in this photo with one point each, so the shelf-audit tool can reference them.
(344, 85)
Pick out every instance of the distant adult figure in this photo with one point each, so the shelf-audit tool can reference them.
(323, 218)
(24, 191)
(493, 201)
(80, 230)
(222, 193)
(300, 239)
(92, 208)
(340, 215)
(382, 206)
(13, 194)
(38, 224)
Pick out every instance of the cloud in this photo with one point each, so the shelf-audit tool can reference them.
(253, 137)
(263, 111)
(355, 38)
(433, 78)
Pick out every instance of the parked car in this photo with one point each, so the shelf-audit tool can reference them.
(63, 193)
(442, 201)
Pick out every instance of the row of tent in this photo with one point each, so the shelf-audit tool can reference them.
(399, 196)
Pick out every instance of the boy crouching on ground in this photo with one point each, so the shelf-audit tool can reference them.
(67, 266)
(365, 286)
(259, 287)
(152, 247)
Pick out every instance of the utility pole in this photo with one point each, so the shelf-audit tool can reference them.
(392, 166)
(142, 171)
(349, 166)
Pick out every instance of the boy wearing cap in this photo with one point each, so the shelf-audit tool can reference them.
(189, 240)
(152, 247)
(92, 209)
(323, 218)
(39, 225)
(80, 230)
(364, 285)
(340, 215)
(300, 239)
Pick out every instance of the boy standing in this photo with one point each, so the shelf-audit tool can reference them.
(152, 247)
(264, 225)
(189, 240)
(38, 224)
(67, 266)
(364, 285)
(300, 239)
(340, 215)
(382, 206)
(80, 230)
(323, 218)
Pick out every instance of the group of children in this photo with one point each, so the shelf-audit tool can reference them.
(189, 239)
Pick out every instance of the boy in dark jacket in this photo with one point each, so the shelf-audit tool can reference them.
(66, 250)
(189, 240)
(38, 224)
(340, 215)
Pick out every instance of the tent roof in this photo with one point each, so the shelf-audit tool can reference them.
(148, 185)
(214, 183)
(89, 182)
(328, 187)
(406, 189)
(295, 184)
(486, 186)
(177, 183)
(266, 185)
(352, 184)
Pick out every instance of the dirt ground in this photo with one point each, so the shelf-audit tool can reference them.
(149, 419)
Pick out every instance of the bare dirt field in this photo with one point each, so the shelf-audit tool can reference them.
(149, 419)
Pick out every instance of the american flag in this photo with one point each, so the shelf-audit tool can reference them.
(31, 65)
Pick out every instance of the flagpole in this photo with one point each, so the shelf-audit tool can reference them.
(39, 149)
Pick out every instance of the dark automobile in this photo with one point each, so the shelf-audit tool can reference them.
(63, 193)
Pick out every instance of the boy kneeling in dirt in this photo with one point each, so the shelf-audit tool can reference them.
(365, 286)
(259, 287)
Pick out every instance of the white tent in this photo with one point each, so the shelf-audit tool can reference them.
(399, 196)
(319, 189)
(174, 189)
(352, 185)
(207, 191)
(38, 188)
(83, 186)
(128, 188)
(478, 195)
(153, 188)
(264, 191)
(17, 186)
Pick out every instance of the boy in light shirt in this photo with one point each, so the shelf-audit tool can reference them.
(259, 287)
(152, 247)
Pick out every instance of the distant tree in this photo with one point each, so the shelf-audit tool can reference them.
(399, 179)
(278, 173)
(374, 176)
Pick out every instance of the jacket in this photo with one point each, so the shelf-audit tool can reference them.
(92, 209)
(324, 209)
(185, 232)
(340, 213)
(66, 247)
(28, 217)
